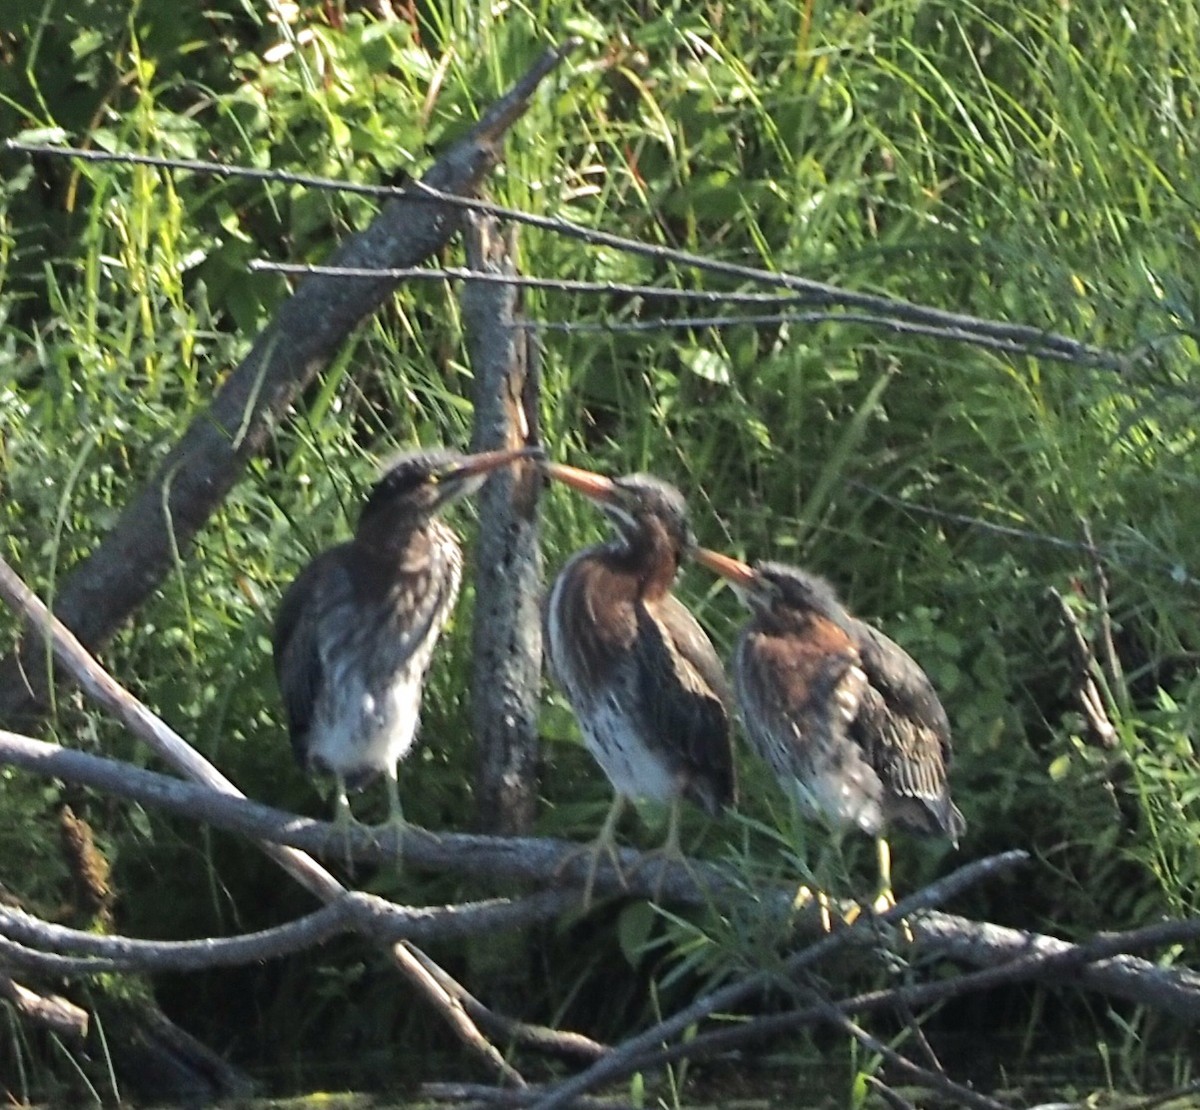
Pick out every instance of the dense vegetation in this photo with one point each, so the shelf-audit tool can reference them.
(1028, 161)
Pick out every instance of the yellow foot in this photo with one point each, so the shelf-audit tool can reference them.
(884, 902)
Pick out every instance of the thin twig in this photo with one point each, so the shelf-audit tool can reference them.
(1110, 555)
(894, 1099)
(933, 1080)
(1099, 725)
(1113, 672)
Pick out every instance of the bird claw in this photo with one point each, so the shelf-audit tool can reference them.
(594, 851)
(884, 902)
(341, 834)
(666, 858)
(804, 895)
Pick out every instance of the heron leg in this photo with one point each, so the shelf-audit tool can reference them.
(604, 844)
(670, 852)
(395, 822)
(886, 898)
(343, 820)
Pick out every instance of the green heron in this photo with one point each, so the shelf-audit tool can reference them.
(355, 631)
(841, 713)
(643, 679)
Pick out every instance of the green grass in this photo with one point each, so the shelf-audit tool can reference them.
(1030, 162)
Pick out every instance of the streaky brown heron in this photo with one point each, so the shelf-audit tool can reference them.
(843, 715)
(643, 678)
(355, 632)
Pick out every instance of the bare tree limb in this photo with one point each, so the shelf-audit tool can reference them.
(933, 1080)
(307, 331)
(50, 1010)
(617, 1063)
(1103, 969)
(506, 663)
(28, 942)
(169, 745)
(1069, 965)
(541, 1037)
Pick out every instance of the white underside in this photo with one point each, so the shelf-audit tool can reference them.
(631, 767)
(357, 734)
(608, 731)
(367, 734)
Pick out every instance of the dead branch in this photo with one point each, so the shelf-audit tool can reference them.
(475, 1094)
(107, 692)
(1172, 990)
(51, 1010)
(307, 331)
(541, 1037)
(621, 1061)
(506, 665)
(28, 942)
(894, 1099)
(1083, 662)
(933, 1080)
(1069, 965)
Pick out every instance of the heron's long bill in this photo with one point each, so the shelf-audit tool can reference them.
(738, 573)
(593, 485)
(485, 461)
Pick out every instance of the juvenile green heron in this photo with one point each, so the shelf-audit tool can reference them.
(643, 679)
(355, 631)
(841, 713)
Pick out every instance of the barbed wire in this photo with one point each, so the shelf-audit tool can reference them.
(1044, 343)
(558, 285)
(873, 310)
(662, 323)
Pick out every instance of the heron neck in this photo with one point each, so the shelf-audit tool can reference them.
(391, 534)
(650, 554)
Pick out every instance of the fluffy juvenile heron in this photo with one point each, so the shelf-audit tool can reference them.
(355, 632)
(643, 679)
(841, 713)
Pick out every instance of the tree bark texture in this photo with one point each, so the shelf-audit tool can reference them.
(507, 633)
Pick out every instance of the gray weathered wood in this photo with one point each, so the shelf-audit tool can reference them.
(507, 631)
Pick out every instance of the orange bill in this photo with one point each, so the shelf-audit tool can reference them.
(484, 461)
(587, 482)
(739, 573)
